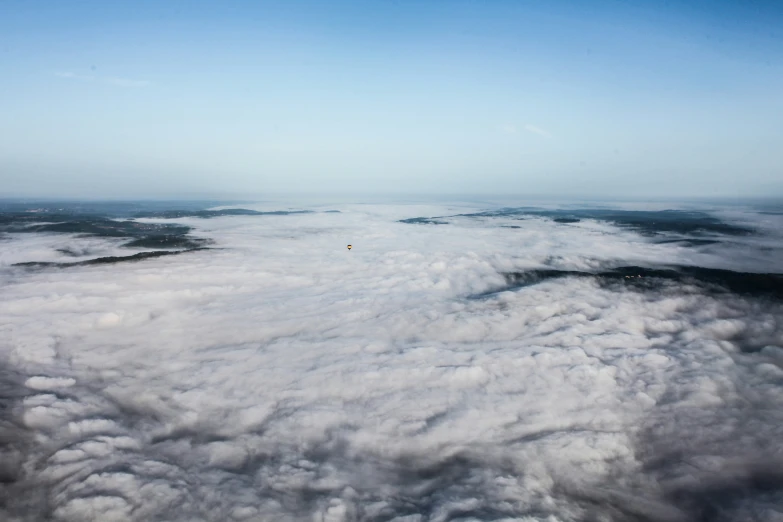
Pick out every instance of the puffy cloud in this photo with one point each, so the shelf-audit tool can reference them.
(279, 376)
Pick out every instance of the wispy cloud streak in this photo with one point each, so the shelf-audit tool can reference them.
(107, 80)
(538, 130)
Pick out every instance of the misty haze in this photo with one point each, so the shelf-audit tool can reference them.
(391, 261)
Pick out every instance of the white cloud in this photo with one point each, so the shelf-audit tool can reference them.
(281, 377)
(108, 80)
(538, 130)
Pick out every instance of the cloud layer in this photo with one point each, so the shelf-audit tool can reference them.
(278, 376)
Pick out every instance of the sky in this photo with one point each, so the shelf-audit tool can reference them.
(603, 99)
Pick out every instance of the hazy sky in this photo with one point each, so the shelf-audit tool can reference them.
(607, 98)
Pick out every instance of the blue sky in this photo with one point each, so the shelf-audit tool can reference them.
(176, 99)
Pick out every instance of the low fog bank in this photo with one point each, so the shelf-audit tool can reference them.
(278, 376)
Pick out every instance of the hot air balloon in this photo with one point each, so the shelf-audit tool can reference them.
(349, 247)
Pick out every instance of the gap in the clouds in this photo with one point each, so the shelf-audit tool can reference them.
(708, 280)
(167, 241)
(424, 221)
(105, 208)
(119, 220)
(646, 222)
(689, 242)
(74, 251)
(173, 214)
(139, 234)
(108, 259)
